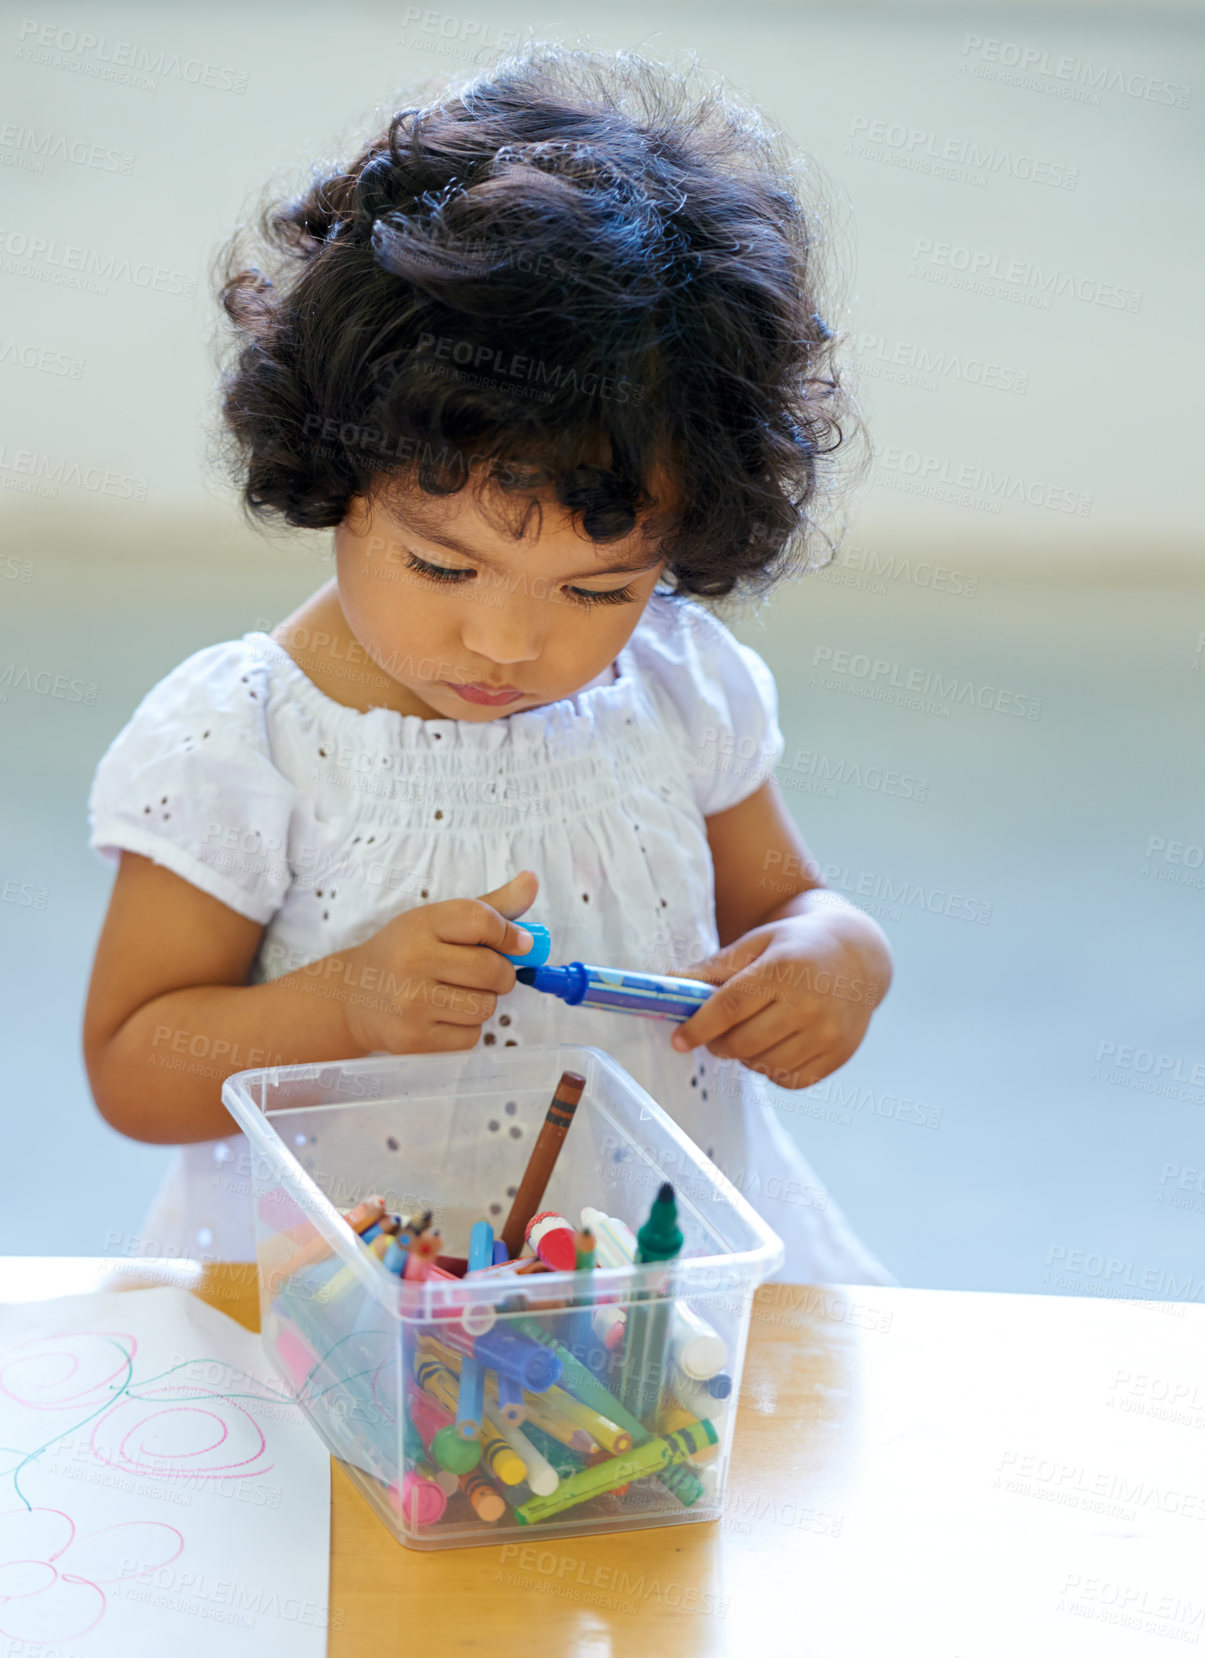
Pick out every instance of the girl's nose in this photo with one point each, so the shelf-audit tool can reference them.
(507, 632)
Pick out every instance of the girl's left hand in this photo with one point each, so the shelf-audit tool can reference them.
(796, 998)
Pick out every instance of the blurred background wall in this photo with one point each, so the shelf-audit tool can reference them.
(1010, 208)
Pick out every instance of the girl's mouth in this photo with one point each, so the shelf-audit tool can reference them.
(483, 694)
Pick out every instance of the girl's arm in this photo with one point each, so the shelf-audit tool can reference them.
(800, 969)
(170, 1015)
(764, 872)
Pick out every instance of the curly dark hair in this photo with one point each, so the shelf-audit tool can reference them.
(571, 273)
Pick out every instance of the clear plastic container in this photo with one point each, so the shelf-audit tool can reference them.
(452, 1133)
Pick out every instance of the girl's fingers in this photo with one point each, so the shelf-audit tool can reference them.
(453, 1004)
(767, 1028)
(731, 1005)
(472, 966)
(792, 1064)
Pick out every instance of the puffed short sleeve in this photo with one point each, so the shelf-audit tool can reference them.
(189, 782)
(727, 702)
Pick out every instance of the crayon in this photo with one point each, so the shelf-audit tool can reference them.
(438, 1433)
(437, 1380)
(650, 1458)
(555, 1423)
(674, 1416)
(647, 1338)
(500, 1252)
(538, 1472)
(531, 1365)
(489, 1503)
(684, 1484)
(500, 1269)
(380, 1245)
(552, 1239)
(571, 1434)
(421, 1500)
(503, 1463)
(608, 1434)
(318, 1248)
(543, 1159)
(420, 1258)
(395, 1257)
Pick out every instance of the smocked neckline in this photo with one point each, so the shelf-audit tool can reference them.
(410, 724)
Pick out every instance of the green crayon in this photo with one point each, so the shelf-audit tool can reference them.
(636, 1464)
(681, 1480)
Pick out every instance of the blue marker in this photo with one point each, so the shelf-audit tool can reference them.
(652, 995)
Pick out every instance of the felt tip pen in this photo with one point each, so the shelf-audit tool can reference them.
(650, 995)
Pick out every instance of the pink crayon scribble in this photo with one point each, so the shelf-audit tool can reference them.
(70, 1371)
(50, 1578)
(186, 1433)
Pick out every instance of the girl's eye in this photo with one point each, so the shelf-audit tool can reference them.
(581, 595)
(616, 595)
(437, 572)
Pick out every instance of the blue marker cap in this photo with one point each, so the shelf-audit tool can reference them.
(541, 945)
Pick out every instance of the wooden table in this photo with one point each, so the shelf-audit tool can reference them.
(949, 1475)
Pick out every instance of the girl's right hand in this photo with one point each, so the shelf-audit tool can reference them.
(430, 978)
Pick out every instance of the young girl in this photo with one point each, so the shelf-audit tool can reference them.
(547, 360)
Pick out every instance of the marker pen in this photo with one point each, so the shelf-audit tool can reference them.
(650, 995)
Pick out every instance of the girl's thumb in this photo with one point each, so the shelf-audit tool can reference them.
(511, 899)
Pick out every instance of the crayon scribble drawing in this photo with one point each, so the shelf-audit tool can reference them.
(122, 1463)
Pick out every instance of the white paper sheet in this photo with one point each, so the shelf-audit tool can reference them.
(159, 1492)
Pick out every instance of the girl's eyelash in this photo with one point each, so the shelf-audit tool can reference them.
(581, 595)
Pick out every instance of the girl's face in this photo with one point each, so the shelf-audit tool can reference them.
(471, 623)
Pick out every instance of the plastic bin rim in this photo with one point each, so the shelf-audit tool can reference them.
(766, 1257)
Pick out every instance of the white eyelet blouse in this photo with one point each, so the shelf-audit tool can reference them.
(323, 822)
